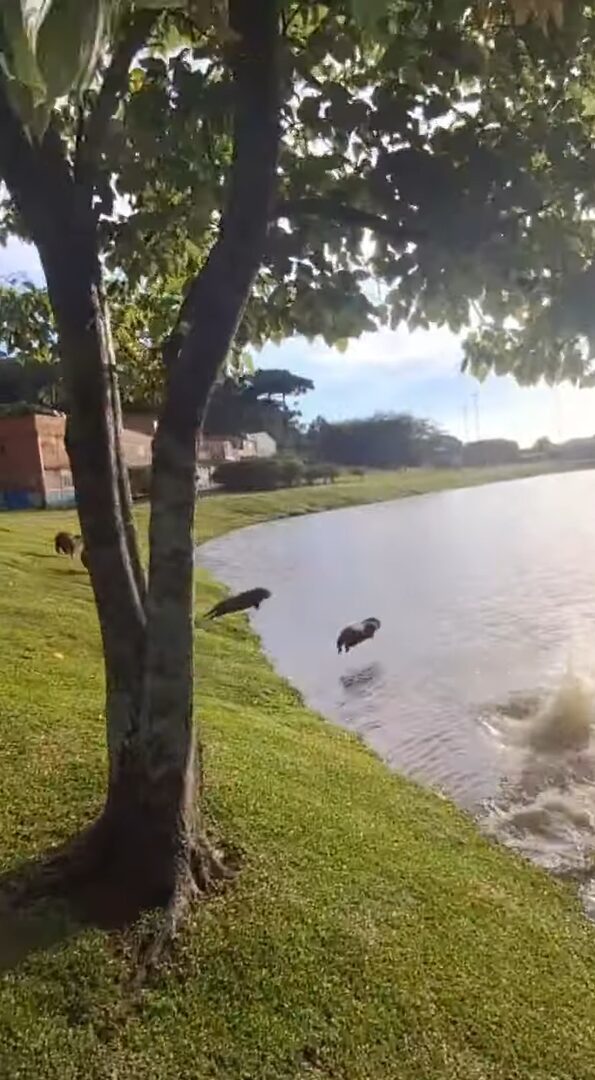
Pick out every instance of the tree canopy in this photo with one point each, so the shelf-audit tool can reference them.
(276, 382)
(443, 156)
(384, 440)
(249, 403)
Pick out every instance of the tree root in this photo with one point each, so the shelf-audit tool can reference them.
(161, 938)
(90, 875)
(206, 872)
(211, 868)
(105, 884)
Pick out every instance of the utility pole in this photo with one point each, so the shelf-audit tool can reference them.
(465, 423)
(476, 414)
(557, 414)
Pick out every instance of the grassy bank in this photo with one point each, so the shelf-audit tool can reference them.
(371, 934)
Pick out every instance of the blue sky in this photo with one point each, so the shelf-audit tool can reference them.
(396, 370)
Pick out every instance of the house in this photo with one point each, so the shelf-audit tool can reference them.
(34, 465)
(211, 449)
(215, 448)
(259, 444)
(35, 470)
(144, 423)
(137, 448)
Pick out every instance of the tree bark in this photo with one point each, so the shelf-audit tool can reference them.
(205, 330)
(150, 838)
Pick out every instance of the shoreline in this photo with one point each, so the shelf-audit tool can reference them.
(226, 512)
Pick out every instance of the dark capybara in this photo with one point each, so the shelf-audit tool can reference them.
(240, 602)
(355, 633)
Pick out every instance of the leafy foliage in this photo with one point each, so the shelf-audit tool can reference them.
(31, 383)
(248, 403)
(259, 474)
(446, 155)
(323, 472)
(51, 48)
(26, 324)
(28, 338)
(240, 403)
(275, 382)
(29, 370)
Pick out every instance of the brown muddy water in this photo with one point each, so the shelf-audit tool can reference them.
(481, 680)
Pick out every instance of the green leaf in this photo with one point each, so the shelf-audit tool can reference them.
(70, 42)
(21, 21)
(368, 12)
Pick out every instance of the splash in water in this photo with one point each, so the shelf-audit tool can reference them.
(546, 810)
(565, 722)
(559, 722)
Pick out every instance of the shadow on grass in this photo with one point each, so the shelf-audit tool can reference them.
(75, 575)
(50, 899)
(32, 927)
(43, 903)
(40, 555)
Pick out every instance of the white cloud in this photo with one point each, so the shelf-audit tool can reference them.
(418, 353)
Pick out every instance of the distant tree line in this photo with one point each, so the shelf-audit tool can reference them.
(491, 452)
(581, 449)
(385, 440)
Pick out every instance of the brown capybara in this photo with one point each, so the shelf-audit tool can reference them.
(252, 598)
(355, 633)
(67, 544)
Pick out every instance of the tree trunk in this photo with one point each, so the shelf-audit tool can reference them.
(146, 837)
(148, 846)
(200, 344)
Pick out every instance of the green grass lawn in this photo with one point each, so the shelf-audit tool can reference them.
(371, 933)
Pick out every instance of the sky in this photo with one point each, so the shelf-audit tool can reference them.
(402, 371)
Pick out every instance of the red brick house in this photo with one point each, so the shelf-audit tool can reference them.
(34, 466)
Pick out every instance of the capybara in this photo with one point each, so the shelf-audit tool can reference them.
(241, 602)
(355, 633)
(67, 544)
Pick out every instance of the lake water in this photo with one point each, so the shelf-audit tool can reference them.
(480, 680)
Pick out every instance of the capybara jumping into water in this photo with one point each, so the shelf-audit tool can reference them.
(355, 633)
(241, 602)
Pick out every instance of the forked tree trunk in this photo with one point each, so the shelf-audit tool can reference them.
(204, 334)
(149, 842)
(148, 835)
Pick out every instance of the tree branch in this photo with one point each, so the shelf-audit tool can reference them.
(112, 88)
(40, 181)
(334, 210)
(205, 330)
(214, 304)
(345, 214)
